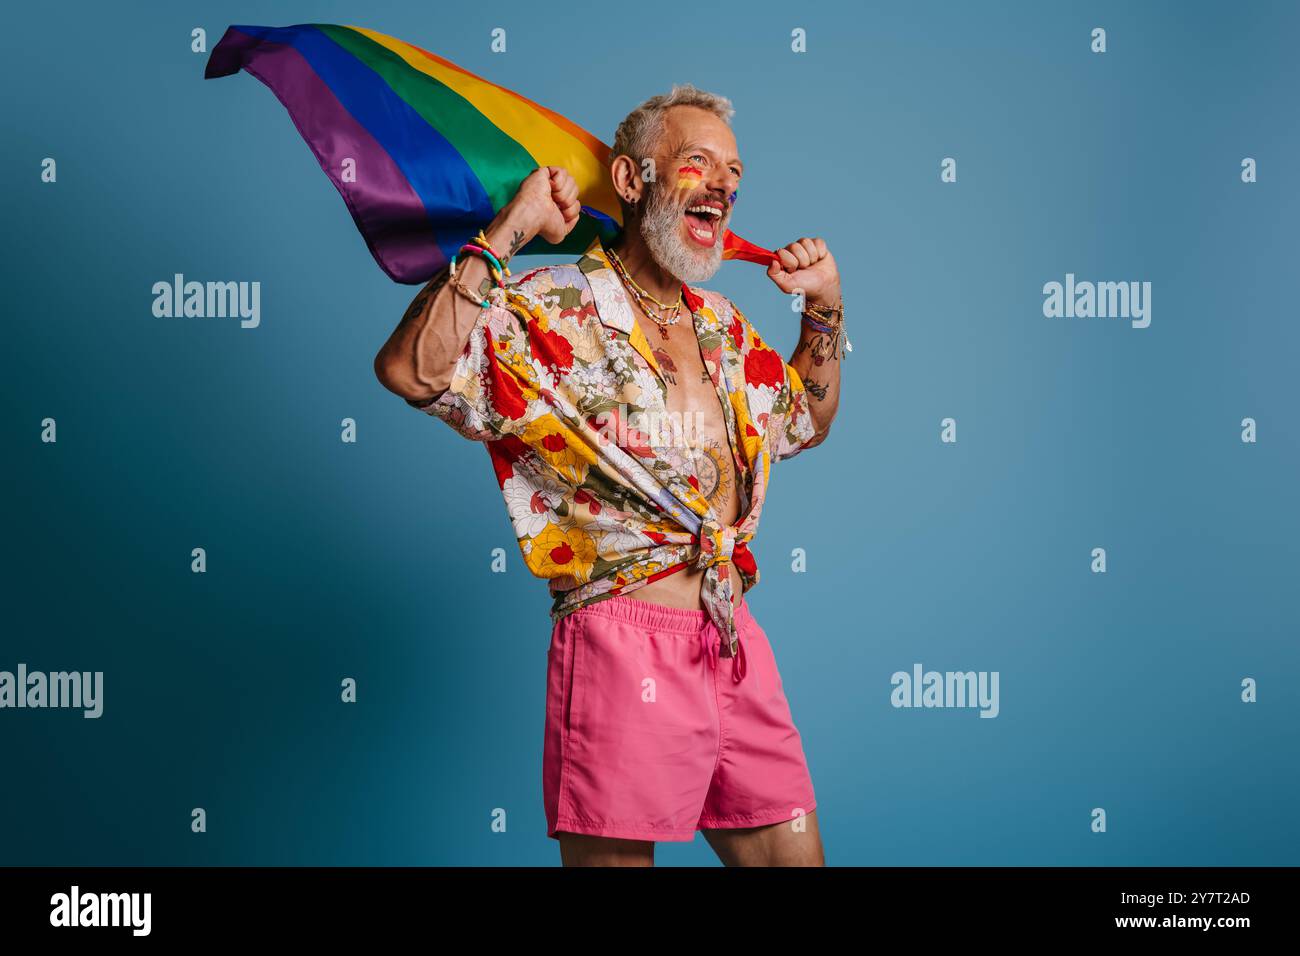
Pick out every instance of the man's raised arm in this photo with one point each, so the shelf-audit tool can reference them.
(808, 266)
(420, 356)
(817, 360)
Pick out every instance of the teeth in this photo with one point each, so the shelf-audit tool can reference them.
(713, 211)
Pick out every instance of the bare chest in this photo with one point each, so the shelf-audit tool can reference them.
(696, 415)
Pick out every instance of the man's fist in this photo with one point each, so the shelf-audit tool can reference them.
(548, 202)
(807, 265)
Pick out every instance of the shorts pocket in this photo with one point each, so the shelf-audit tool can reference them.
(574, 680)
(762, 661)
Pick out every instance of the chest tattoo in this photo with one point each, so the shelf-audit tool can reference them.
(666, 365)
(710, 459)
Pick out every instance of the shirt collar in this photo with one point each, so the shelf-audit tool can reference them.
(613, 304)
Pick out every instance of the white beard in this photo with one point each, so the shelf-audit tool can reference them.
(659, 228)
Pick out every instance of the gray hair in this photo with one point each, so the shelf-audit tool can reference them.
(638, 134)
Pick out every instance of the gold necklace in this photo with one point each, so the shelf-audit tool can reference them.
(640, 296)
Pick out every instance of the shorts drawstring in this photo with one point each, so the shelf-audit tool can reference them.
(738, 666)
(710, 644)
(710, 647)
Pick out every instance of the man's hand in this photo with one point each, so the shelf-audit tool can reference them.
(807, 265)
(546, 204)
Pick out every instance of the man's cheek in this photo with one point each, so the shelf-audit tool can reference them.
(688, 178)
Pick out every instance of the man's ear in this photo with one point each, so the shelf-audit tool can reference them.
(628, 184)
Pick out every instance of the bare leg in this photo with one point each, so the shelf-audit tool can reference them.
(776, 845)
(577, 849)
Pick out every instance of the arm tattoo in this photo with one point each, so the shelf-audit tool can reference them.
(421, 301)
(419, 307)
(516, 241)
(822, 346)
(816, 389)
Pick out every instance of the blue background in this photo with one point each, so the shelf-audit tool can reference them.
(328, 560)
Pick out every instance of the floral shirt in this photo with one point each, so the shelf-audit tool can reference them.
(557, 378)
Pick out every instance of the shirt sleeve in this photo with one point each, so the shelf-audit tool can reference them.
(773, 386)
(790, 425)
(494, 382)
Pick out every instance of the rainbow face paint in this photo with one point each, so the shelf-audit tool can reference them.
(731, 200)
(688, 177)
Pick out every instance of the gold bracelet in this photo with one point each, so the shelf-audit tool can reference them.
(826, 310)
(833, 319)
(832, 316)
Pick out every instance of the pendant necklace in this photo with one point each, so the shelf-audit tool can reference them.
(652, 307)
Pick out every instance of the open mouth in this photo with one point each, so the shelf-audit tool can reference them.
(702, 221)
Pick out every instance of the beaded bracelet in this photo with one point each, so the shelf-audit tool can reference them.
(480, 238)
(494, 264)
(479, 246)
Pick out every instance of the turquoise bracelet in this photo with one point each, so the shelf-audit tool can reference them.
(494, 264)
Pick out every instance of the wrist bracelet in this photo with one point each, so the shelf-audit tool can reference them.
(481, 301)
(812, 316)
(480, 246)
(827, 312)
(481, 239)
(494, 264)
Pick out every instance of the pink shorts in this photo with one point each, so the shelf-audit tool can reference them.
(652, 735)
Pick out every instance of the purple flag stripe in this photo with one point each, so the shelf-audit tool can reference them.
(333, 134)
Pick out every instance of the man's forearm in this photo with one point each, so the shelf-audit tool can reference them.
(419, 358)
(817, 360)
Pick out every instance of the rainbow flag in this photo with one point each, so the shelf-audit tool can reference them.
(423, 152)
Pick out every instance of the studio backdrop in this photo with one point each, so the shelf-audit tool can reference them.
(1063, 475)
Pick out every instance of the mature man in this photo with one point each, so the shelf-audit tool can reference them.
(631, 419)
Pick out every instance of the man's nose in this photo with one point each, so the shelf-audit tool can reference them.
(719, 186)
(722, 183)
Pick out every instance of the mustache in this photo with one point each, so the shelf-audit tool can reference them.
(663, 195)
